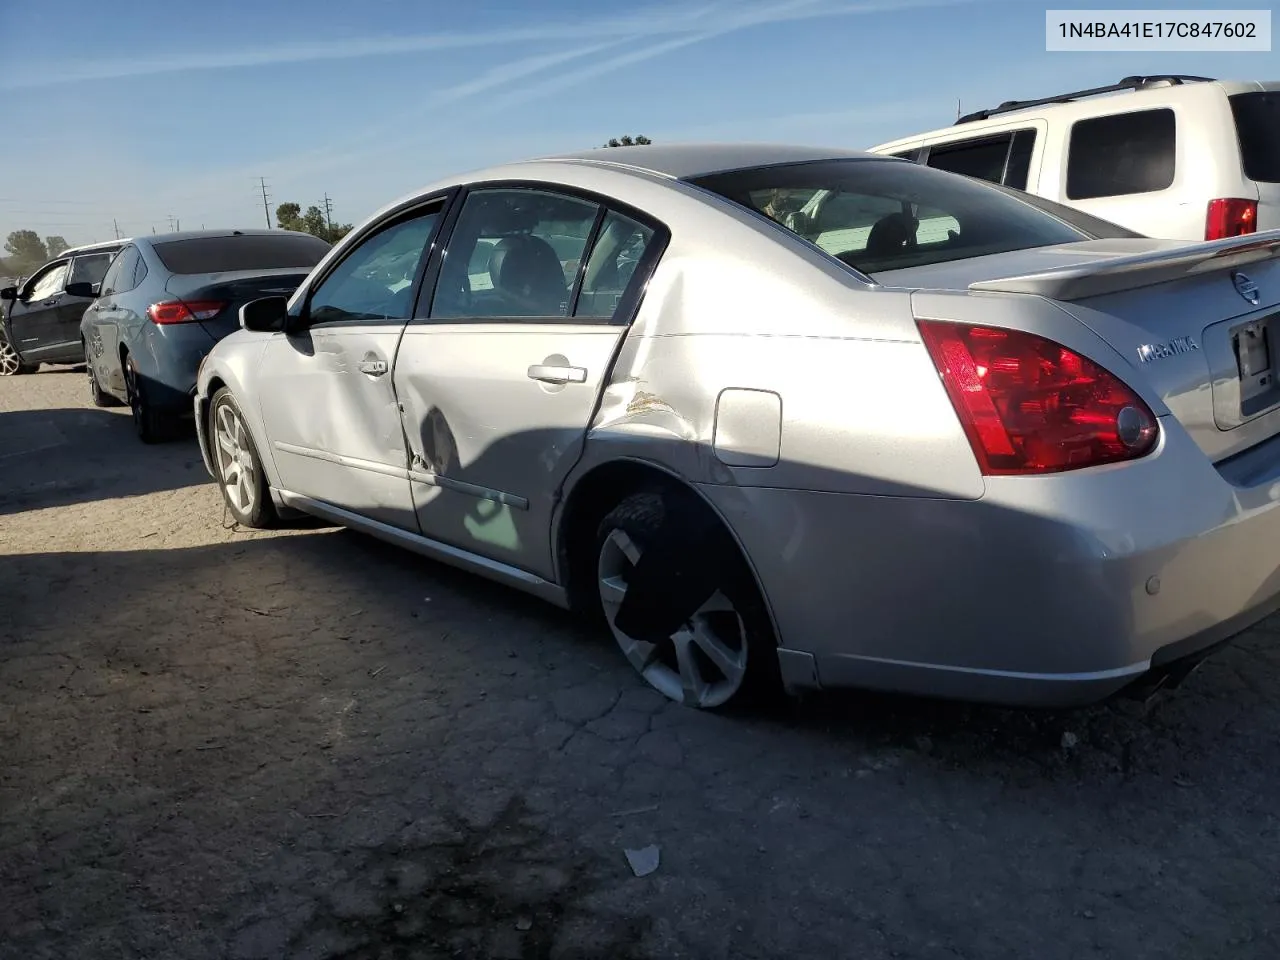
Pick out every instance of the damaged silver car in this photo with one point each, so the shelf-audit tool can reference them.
(785, 417)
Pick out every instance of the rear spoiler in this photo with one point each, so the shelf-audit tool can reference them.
(1115, 274)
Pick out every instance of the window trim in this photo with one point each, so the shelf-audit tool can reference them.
(629, 303)
(298, 321)
(1067, 153)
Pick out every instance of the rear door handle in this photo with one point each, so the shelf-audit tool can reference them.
(557, 374)
(374, 368)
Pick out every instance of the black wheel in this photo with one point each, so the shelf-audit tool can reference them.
(237, 464)
(99, 396)
(152, 426)
(11, 364)
(697, 631)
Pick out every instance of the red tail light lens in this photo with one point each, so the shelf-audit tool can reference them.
(1031, 406)
(176, 311)
(1230, 217)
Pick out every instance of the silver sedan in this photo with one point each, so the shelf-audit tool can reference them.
(786, 418)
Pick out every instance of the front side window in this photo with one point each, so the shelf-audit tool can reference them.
(375, 281)
(48, 282)
(1121, 154)
(90, 267)
(876, 215)
(513, 254)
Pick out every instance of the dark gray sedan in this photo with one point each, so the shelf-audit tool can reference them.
(166, 300)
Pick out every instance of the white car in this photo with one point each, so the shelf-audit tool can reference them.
(1173, 157)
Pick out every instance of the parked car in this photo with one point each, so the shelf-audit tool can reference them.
(1180, 157)
(931, 439)
(42, 317)
(166, 300)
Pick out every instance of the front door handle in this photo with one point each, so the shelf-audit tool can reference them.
(548, 373)
(51, 302)
(374, 368)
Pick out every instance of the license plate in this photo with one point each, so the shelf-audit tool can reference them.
(1254, 360)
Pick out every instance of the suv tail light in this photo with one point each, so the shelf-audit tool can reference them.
(1230, 217)
(177, 311)
(1031, 406)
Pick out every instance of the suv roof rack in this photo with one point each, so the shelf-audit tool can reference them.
(1128, 83)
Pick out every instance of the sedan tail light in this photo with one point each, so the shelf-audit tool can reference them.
(1230, 217)
(1031, 406)
(178, 311)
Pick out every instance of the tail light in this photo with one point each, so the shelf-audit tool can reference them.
(1031, 406)
(178, 311)
(1230, 217)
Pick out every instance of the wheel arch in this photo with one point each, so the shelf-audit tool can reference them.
(597, 491)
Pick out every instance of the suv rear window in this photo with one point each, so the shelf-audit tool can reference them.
(1258, 128)
(876, 215)
(250, 252)
(1121, 154)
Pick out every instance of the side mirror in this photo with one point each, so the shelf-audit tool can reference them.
(9, 293)
(83, 288)
(265, 315)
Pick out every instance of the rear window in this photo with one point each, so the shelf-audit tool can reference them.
(250, 252)
(1258, 128)
(876, 215)
(1121, 154)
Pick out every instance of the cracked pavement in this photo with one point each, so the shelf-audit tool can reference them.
(308, 744)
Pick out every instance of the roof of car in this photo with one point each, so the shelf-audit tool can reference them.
(684, 161)
(205, 234)
(90, 247)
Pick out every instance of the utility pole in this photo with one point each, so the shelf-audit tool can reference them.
(957, 108)
(116, 227)
(328, 213)
(171, 223)
(266, 207)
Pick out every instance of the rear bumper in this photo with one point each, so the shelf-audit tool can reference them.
(1053, 591)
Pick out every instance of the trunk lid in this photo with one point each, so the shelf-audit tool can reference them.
(1184, 315)
(234, 288)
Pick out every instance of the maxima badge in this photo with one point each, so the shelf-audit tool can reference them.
(1245, 287)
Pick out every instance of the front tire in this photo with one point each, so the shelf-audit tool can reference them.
(151, 425)
(725, 652)
(11, 364)
(238, 467)
(99, 396)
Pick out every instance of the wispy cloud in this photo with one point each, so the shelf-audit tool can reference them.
(695, 21)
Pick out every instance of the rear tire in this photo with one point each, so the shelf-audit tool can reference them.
(11, 364)
(237, 465)
(726, 653)
(151, 425)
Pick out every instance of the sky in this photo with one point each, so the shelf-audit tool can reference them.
(141, 113)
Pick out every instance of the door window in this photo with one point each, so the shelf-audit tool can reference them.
(90, 268)
(1004, 158)
(119, 278)
(514, 254)
(618, 249)
(376, 279)
(48, 282)
(1121, 154)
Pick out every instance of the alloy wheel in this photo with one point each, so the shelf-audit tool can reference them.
(236, 466)
(704, 663)
(10, 362)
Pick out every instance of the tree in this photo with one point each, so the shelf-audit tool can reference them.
(628, 142)
(27, 250)
(289, 216)
(55, 245)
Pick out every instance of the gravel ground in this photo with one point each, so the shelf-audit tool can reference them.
(308, 744)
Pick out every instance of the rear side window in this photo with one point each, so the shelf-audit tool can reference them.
(121, 275)
(1121, 154)
(877, 215)
(1257, 117)
(250, 252)
(90, 267)
(1004, 158)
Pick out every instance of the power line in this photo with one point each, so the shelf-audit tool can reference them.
(266, 207)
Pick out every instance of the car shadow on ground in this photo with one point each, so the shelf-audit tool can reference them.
(391, 610)
(62, 456)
